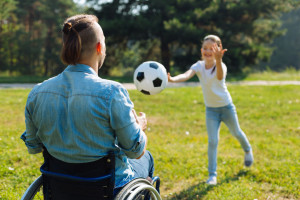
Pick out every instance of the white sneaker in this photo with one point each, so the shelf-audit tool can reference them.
(248, 158)
(212, 180)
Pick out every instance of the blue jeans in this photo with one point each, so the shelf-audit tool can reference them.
(142, 168)
(214, 117)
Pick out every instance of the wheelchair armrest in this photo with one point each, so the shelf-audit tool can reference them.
(156, 180)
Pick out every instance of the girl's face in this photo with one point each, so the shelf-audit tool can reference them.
(207, 50)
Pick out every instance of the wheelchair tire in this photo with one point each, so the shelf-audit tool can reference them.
(142, 188)
(33, 189)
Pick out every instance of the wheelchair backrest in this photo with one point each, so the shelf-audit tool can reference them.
(76, 181)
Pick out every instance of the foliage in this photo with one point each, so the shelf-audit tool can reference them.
(30, 35)
(6, 31)
(168, 31)
(269, 115)
(123, 62)
(287, 47)
(246, 27)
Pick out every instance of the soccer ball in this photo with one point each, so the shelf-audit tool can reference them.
(150, 77)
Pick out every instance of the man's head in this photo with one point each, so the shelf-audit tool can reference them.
(83, 39)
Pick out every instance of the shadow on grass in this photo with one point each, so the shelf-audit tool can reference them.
(200, 190)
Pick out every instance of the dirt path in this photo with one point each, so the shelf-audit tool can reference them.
(131, 86)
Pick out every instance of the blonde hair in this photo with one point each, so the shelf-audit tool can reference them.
(213, 38)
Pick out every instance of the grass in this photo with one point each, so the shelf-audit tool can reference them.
(269, 115)
(287, 75)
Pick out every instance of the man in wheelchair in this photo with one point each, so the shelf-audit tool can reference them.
(78, 117)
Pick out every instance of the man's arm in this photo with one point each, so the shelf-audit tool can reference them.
(130, 135)
(33, 144)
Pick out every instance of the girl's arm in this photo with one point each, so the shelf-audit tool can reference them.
(220, 73)
(218, 53)
(181, 77)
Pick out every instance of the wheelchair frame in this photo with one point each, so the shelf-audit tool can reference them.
(129, 192)
(138, 187)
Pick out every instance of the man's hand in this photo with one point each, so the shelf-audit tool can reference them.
(142, 122)
(141, 119)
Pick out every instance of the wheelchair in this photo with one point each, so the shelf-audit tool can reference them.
(87, 181)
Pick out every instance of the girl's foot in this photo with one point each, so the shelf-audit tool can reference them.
(248, 158)
(212, 180)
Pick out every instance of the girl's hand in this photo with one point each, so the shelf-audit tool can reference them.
(218, 51)
(170, 78)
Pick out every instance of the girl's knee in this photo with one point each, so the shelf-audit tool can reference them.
(239, 134)
(213, 143)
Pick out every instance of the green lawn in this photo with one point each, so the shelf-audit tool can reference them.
(269, 115)
(287, 75)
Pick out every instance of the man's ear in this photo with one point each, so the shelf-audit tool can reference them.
(98, 46)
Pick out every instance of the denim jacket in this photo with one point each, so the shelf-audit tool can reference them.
(79, 117)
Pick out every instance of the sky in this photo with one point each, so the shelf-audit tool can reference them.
(81, 2)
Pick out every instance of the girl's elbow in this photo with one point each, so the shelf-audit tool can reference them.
(219, 77)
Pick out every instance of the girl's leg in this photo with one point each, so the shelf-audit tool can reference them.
(213, 126)
(230, 118)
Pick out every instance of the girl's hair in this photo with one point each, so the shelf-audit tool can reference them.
(215, 39)
(79, 36)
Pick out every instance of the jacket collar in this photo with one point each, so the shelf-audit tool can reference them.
(81, 68)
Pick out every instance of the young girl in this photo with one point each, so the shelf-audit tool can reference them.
(211, 72)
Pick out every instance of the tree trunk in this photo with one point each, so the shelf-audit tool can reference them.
(48, 50)
(165, 53)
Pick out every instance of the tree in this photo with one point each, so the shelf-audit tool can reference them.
(148, 20)
(248, 28)
(287, 47)
(7, 32)
(245, 27)
(30, 39)
(52, 15)
(42, 21)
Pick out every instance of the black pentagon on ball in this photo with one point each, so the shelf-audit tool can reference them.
(140, 76)
(157, 82)
(145, 92)
(153, 65)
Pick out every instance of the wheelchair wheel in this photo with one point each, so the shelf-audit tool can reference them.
(138, 189)
(35, 190)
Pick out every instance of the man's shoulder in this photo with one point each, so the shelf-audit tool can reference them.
(92, 86)
(42, 85)
(113, 86)
(111, 83)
